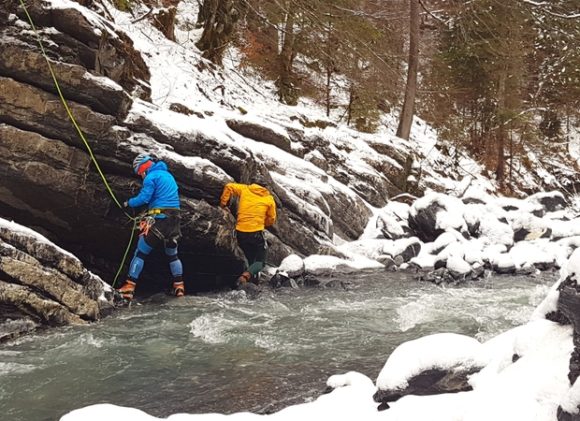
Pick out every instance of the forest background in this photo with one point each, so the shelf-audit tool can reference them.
(499, 80)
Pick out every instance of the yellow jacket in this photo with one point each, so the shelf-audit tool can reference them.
(256, 209)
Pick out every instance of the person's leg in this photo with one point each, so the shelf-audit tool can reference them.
(141, 252)
(245, 242)
(254, 247)
(259, 256)
(245, 245)
(176, 268)
(136, 267)
(259, 261)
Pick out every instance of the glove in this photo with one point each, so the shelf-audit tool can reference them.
(128, 210)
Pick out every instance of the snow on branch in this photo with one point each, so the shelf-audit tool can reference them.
(545, 3)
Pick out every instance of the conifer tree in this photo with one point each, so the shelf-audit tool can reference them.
(482, 62)
(555, 87)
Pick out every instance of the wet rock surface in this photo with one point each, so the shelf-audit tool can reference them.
(41, 284)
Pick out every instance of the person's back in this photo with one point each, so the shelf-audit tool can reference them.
(160, 190)
(256, 210)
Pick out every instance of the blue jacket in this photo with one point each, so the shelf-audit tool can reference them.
(159, 189)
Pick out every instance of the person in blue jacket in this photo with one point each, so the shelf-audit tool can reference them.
(161, 226)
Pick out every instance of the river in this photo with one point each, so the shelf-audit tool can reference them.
(225, 353)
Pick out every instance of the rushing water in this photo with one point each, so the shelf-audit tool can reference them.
(225, 353)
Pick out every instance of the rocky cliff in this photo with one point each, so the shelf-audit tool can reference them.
(42, 284)
(50, 184)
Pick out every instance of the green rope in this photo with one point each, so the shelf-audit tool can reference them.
(126, 252)
(82, 136)
(65, 104)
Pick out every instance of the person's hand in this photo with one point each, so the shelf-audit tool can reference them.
(128, 210)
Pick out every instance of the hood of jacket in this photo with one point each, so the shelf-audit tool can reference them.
(258, 190)
(158, 166)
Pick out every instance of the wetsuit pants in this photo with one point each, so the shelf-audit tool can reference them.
(254, 246)
(165, 231)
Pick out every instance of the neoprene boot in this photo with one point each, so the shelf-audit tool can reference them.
(127, 290)
(178, 289)
(243, 279)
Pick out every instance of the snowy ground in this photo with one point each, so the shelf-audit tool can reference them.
(180, 76)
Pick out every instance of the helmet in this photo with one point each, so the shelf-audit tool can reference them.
(259, 179)
(140, 160)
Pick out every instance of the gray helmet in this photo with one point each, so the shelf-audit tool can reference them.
(139, 160)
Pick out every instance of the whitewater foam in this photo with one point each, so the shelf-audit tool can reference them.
(15, 368)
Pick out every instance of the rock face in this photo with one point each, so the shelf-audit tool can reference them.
(41, 284)
(261, 134)
(48, 179)
(50, 183)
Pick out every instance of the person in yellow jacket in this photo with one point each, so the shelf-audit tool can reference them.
(256, 211)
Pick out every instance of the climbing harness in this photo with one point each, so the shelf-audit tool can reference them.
(145, 225)
(83, 138)
(156, 211)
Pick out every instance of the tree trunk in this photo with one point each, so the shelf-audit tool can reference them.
(501, 130)
(511, 167)
(350, 101)
(202, 13)
(406, 118)
(329, 62)
(286, 89)
(328, 89)
(219, 18)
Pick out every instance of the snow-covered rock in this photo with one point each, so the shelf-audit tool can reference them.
(292, 265)
(328, 265)
(42, 284)
(503, 263)
(457, 266)
(433, 364)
